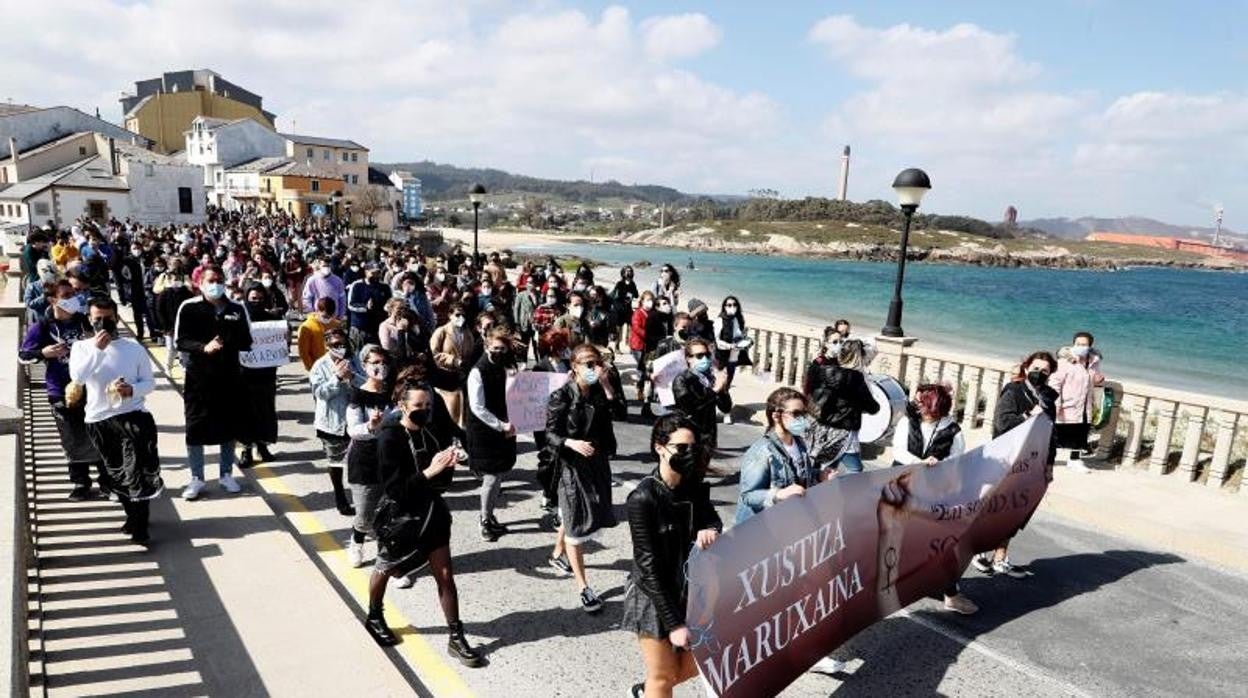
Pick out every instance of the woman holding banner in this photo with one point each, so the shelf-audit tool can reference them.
(929, 435)
(259, 429)
(491, 438)
(669, 512)
(1024, 397)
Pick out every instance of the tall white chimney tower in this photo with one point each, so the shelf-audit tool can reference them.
(843, 190)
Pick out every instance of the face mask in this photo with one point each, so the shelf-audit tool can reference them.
(589, 375)
(266, 282)
(648, 305)
(665, 309)
(497, 357)
(576, 311)
(1080, 352)
(213, 291)
(485, 291)
(833, 347)
(702, 365)
(106, 324)
(377, 371)
(730, 311)
(683, 462)
(413, 266)
(681, 334)
(1037, 378)
(323, 272)
(440, 277)
(458, 321)
(551, 300)
(418, 417)
(71, 305)
(799, 426)
(337, 352)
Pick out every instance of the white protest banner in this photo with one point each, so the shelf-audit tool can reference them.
(781, 590)
(270, 345)
(664, 371)
(527, 394)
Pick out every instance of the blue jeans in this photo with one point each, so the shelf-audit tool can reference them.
(850, 463)
(195, 458)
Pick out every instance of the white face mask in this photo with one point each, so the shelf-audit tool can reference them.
(647, 304)
(730, 311)
(377, 371)
(266, 282)
(576, 311)
(1080, 352)
(458, 321)
(71, 305)
(323, 272)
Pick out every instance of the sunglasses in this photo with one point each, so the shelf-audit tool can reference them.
(591, 363)
(680, 448)
(796, 413)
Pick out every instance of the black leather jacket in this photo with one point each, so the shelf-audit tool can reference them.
(698, 402)
(664, 524)
(839, 396)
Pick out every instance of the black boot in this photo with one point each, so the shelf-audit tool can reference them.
(246, 460)
(488, 534)
(375, 623)
(265, 454)
(457, 646)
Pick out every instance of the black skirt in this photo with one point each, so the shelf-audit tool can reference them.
(640, 615)
(260, 392)
(1071, 435)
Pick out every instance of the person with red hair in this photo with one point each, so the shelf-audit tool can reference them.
(929, 435)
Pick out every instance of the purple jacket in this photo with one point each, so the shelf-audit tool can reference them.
(46, 333)
(318, 287)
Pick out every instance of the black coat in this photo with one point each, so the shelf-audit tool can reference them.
(212, 394)
(1014, 407)
(402, 457)
(260, 391)
(664, 524)
(698, 402)
(571, 415)
(840, 396)
(490, 451)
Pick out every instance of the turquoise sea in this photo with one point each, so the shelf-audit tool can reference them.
(1177, 328)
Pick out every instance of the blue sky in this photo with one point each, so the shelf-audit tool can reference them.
(1061, 108)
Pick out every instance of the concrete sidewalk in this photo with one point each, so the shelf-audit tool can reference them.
(223, 601)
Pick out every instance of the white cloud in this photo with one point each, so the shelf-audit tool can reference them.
(540, 90)
(679, 36)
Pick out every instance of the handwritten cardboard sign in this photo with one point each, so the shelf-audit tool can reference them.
(527, 395)
(270, 345)
(665, 370)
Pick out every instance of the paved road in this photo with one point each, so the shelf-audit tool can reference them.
(1100, 617)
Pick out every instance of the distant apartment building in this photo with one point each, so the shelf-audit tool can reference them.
(302, 190)
(1170, 243)
(163, 108)
(217, 145)
(413, 205)
(344, 158)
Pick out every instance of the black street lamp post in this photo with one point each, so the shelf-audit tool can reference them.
(910, 186)
(476, 194)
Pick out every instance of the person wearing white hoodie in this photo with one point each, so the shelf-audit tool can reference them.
(929, 435)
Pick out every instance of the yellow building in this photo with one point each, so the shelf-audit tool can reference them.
(301, 190)
(163, 108)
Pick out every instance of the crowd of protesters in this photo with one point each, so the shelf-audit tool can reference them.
(408, 356)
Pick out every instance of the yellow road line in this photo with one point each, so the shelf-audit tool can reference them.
(436, 674)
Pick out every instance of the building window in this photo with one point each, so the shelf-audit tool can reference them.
(355, 157)
(316, 185)
(201, 149)
(344, 157)
(41, 208)
(149, 170)
(96, 210)
(326, 158)
(311, 153)
(185, 205)
(355, 179)
(82, 150)
(218, 176)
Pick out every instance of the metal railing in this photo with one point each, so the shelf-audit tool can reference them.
(15, 542)
(1201, 438)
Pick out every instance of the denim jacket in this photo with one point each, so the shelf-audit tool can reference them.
(767, 468)
(331, 396)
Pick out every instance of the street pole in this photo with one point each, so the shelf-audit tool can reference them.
(893, 327)
(476, 254)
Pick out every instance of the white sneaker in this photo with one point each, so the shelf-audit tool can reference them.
(1077, 466)
(728, 418)
(229, 484)
(355, 554)
(193, 489)
(828, 665)
(406, 582)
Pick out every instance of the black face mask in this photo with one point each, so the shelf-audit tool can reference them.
(419, 417)
(1037, 378)
(684, 461)
(105, 324)
(498, 357)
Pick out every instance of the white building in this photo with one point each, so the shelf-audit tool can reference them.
(242, 184)
(92, 176)
(218, 144)
(342, 157)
